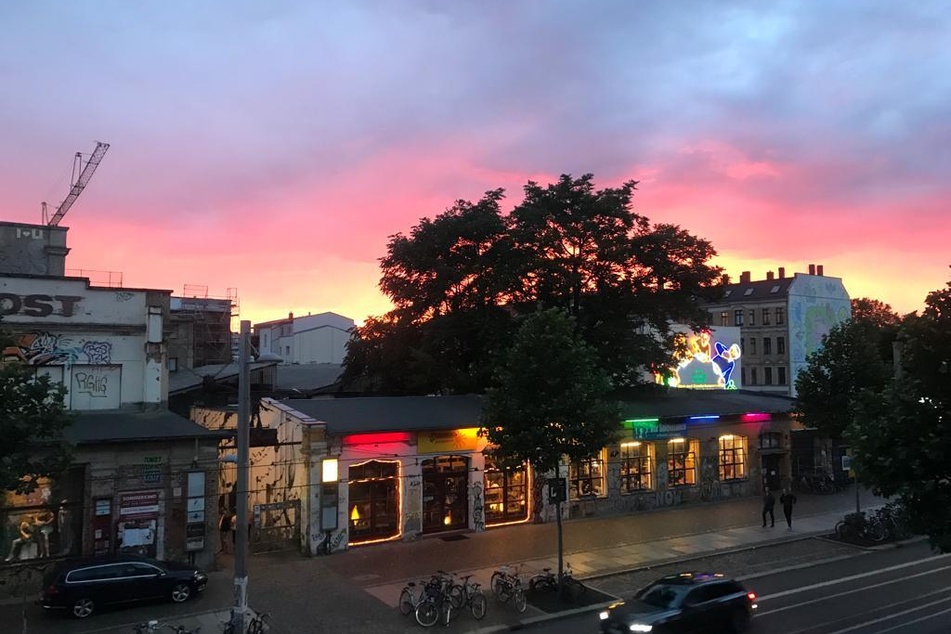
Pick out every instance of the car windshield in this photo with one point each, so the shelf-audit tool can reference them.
(661, 596)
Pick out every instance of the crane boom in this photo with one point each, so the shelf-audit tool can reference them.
(80, 183)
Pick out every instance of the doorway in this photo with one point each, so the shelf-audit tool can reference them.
(445, 493)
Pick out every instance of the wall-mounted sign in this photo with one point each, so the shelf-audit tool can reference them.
(145, 504)
(194, 536)
(152, 469)
(454, 440)
(38, 305)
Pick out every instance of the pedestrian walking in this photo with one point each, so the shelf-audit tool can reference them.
(769, 501)
(225, 527)
(788, 500)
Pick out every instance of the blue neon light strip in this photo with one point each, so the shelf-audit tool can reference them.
(713, 417)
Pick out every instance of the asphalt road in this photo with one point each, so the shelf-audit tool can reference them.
(899, 591)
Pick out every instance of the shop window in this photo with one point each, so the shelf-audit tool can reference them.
(587, 477)
(732, 457)
(682, 461)
(636, 461)
(374, 501)
(506, 493)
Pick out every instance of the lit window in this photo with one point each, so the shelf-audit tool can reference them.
(724, 316)
(587, 477)
(732, 457)
(682, 461)
(636, 460)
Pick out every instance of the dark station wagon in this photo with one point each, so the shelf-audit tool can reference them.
(685, 603)
(84, 587)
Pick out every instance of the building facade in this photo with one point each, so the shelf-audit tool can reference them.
(782, 321)
(318, 338)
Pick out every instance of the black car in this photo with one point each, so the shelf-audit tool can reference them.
(681, 604)
(83, 587)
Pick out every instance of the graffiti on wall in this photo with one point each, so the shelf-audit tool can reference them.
(478, 507)
(47, 348)
(412, 519)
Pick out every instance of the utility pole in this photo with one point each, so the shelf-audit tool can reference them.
(240, 610)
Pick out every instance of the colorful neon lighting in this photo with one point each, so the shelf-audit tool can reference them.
(399, 503)
(699, 418)
(755, 417)
(377, 438)
(704, 359)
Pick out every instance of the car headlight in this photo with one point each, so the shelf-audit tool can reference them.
(604, 615)
(639, 627)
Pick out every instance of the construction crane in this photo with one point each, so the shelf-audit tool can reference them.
(80, 184)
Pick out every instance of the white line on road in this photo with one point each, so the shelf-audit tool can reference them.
(860, 575)
(918, 620)
(827, 597)
(852, 628)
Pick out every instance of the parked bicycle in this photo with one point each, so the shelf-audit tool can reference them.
(411, 595)
(858, 525)
(436, 601)
(571, 588)
(259, 623)
(506, 584)
(894, 519)
(471, 597)
(150, 627)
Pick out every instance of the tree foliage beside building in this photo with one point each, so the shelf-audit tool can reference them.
(33, 418)
(855, 355)
(460, 283)
(901, 437)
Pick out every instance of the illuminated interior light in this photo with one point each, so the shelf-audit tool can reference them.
(727, 437)
(677, 440)
(630, 444)
(377, 438)
(329, 471)
(355, 514)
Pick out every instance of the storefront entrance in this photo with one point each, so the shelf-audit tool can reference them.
(506, 493)
(445, 493)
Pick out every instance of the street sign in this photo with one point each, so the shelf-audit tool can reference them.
(557, 490)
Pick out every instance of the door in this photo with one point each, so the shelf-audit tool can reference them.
(445, 493)
(772, 471)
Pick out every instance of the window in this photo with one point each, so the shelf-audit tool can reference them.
(780, 345)
(771, 440)
(752, 376)
(724, 317)
(374, 500)
(752, 317)
(682, 461)
(586, 477)
(743, 375)
(765, 316)
(752, 345)
(738, 317)
(173, 364)
(781, 378)
(767, 376)
(780, 316)
(767, 345)
(506, 494)
(636, 466)
(732, 457)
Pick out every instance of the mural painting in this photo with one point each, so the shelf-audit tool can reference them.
(478, 507)
(47, 348)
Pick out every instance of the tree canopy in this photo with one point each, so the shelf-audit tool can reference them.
(549, 397)
(900, 435)
(855, 355)
(32, 420)
(461, 282)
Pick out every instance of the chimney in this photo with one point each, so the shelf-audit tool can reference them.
(812, 269)
(745, 277)
(819, 270)
(290, 316)
(782, 272)
(769, 275)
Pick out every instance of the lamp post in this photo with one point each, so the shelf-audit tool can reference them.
(239, 612)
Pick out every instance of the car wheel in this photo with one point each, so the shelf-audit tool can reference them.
(739, 620)
(181, 592)
(83, 607)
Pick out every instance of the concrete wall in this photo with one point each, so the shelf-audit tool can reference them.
(32, 249)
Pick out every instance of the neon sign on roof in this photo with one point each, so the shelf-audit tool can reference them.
(706, 363)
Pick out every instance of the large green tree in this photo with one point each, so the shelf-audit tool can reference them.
(901, 437)
(855, 355)
(461, 282)
(32, 420)
(550, 399)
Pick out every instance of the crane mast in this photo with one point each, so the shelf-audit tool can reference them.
(80, 184)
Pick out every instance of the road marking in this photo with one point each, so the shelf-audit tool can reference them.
(853, 591)
(860, 575)
(918, 620)
(852, 628)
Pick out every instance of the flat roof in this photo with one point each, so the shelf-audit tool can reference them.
(107, 426)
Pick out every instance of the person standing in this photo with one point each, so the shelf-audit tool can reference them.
(225, 526)
(769, 501)
(788, 500)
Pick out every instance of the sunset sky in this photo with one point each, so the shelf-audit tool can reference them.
(272, 147)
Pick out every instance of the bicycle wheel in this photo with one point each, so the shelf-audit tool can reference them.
(478, 604)
(495, 582)
(844, 530)
(256, 626)
(875, 531)
(457, 597)
(427, 613)
(520, 601)
(406, 602)
(542, 582)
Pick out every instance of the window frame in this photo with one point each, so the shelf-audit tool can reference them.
(767, 345)
(733, 454)
(689, 460)
(780, 315)
(738, 317)
(594, 463)
(765, 317)
(780, 345)
(627, 474)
